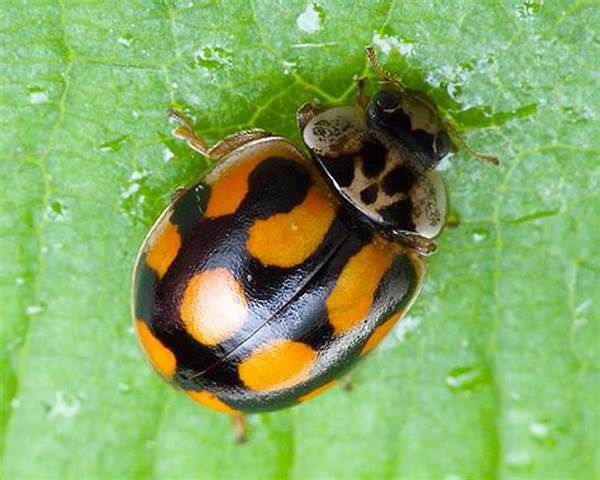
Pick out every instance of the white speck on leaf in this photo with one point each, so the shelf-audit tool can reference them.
(167, 155)
(518, 459)
(33, 309)
(313, 45)
(405, 326)
(133, 188)
(64, 406)
(123, 387)
(36, 98)
(126, 42)
(288, 67)
(136, 175)
(387, 43)
(583, 306)
(515, 396)
(309, 21)
(452, 476)
(211, 56)
(539, 430)
(518, 416)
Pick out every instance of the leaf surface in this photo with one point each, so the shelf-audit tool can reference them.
(495, 373)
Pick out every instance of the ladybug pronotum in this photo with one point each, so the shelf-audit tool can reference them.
(261, 284)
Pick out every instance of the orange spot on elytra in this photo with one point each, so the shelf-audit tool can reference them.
(352, 297)
(163, 248)
(160, 356)
(287, 239)
(214, 306)
(317, 391)
(210, 400)
(277, 365)
(230, 188)
(380, 332)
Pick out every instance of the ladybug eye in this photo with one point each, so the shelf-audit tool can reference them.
(387, 102)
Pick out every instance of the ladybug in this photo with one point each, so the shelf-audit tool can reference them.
(266, 280)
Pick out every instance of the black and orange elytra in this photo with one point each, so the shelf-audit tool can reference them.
(269, 278)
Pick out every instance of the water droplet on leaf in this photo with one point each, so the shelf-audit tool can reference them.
(213, 57)
(479, 235)
(33, 309)
(466, 378)
(63, 405)
(521, 461)
(126, 40)
(37, 95)
(55, 211)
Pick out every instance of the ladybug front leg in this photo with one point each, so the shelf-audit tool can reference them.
(186, 132)
(239, 427)
(422, 245)
(346, 383)
(306, 113)
(362, 99)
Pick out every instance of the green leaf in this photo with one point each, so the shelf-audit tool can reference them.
(495, 373)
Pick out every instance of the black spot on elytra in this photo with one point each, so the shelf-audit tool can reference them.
(373, 158)
(369, 194)
(341, 169)
(401, 179)
(399, 214)
(145, 283)
(276, 185)
(189, 208)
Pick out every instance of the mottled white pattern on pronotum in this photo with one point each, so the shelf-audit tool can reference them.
(336, 131)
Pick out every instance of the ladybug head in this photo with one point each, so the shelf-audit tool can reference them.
(398, 117)
(385, 111)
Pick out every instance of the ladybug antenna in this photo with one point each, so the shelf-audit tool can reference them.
(376, 66)
(458, 139)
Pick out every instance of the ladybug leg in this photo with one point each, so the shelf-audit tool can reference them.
(422, 245)
(452, 220)
(185, 132)
(346, 383)
(306, 113)
(362, 99)
(239, 427)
